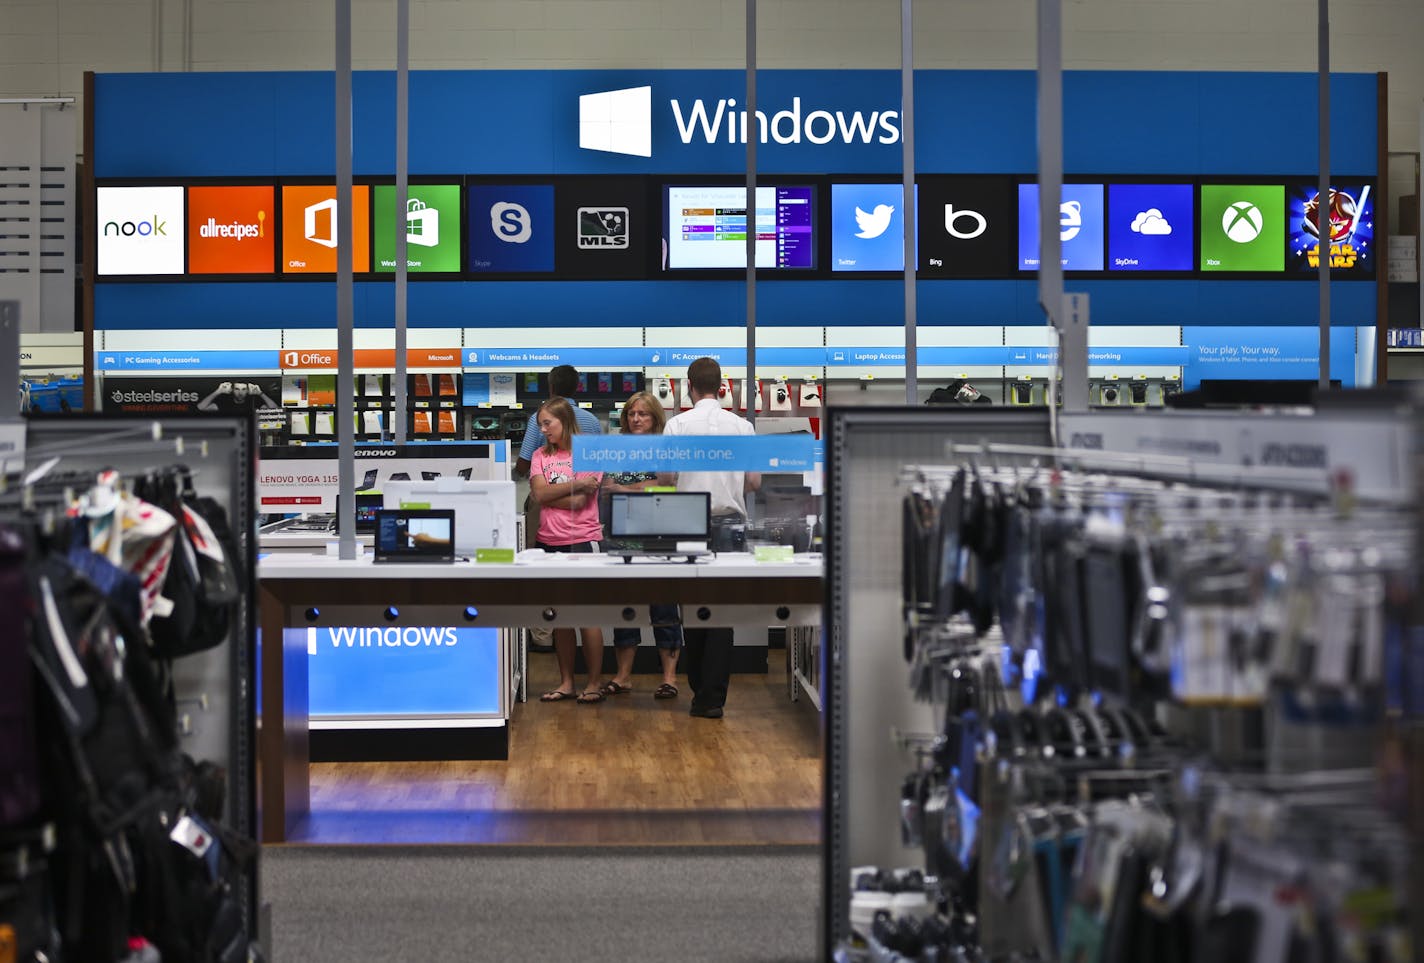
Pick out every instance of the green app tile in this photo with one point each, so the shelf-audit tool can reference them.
(1243, 227)
(432, 221)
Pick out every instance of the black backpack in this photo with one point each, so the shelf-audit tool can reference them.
(19, 768)
(204, 589)
(108, 754)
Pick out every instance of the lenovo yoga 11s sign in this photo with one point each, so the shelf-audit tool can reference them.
(140, 230)
(431, 221)
(310, 233)
(231, 230)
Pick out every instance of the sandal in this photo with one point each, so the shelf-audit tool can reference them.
(611, 688)
(665, 691)
(556, 695)
(590, 697)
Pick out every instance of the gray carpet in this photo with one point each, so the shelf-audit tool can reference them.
(432, 904)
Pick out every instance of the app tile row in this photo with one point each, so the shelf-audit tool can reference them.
(966, 227)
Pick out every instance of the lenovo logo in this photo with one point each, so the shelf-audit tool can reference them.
(1296, 456)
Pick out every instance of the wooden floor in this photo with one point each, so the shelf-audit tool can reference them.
(630, 771)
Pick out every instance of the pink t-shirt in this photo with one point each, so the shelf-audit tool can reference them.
(560, 526)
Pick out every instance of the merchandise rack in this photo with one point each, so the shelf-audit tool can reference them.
(862, 686)
(866, 699)
(216, 695)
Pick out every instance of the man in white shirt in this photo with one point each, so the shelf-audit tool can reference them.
(707, 653)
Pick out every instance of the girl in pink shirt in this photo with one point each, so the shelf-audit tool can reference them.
(568, 522)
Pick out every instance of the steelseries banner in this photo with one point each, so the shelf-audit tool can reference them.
(235, 395)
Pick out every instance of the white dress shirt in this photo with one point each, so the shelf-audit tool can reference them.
(727, 488)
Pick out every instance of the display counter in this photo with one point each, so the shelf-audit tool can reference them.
(411, 606)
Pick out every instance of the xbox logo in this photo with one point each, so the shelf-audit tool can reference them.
(1242, 222)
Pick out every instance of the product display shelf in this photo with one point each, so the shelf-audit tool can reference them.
(214, 689)
(300, 592)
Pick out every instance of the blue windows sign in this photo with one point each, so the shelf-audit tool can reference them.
(512, 229)
(867, 227)
(407, 670)
(676, 453)
(1080, 227)
(1150, 227)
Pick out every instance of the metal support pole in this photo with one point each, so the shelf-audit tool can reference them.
(1322, 211)
(753, 138)
(345, 293)
(1071, 373)
(907, 153)
(398, 390)
(9, 371)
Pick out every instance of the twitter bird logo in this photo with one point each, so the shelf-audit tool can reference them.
(873, 224)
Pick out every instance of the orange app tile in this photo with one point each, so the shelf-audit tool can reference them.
(231, 230)
(309, 238)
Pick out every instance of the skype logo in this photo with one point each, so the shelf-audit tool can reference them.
(511, 222)
(521, 234)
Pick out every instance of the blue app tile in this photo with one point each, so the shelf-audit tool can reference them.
(867, 227)
(512, 228)
(1080, 222)
(1151, 227)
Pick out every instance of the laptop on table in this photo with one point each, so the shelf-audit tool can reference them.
(659, 524)
(415, 535)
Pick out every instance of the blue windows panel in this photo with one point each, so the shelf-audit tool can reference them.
(867, 227)
(1080, 222)
(1150, 227)
(511, 228)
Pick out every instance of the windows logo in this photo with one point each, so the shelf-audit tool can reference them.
(617, 121)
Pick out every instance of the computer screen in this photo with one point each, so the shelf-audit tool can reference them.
(667, 515)
(706, 227)
(1351, 216)
(485, 514)
(407, 535)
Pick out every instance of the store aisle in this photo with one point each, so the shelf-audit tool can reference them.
(458, 904)
(631, 770)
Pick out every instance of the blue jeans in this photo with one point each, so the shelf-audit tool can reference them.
(667, 630)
